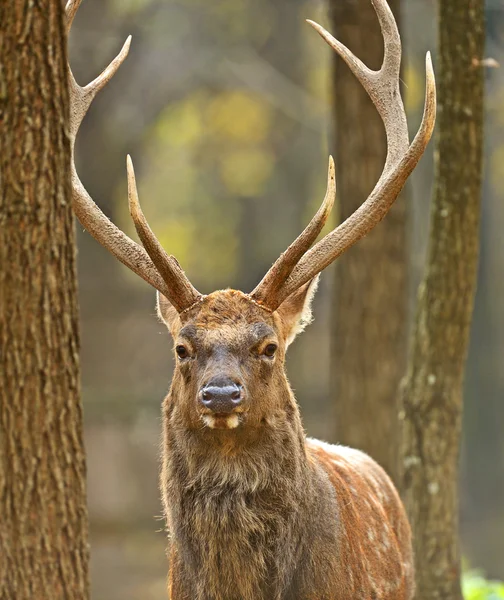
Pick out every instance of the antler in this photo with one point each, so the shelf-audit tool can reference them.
(286, 262)
(290, 272)
(154, 266)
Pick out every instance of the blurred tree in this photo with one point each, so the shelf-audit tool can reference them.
(370, 297)
(432, 389)
(288, 61)
(43, 537)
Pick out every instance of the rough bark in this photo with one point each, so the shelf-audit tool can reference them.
(368, 336)
(43, 523)
(432, 389)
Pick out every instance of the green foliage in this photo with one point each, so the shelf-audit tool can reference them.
(476, 587)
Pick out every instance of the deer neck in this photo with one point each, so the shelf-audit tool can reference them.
(232, 509)
(246, 460)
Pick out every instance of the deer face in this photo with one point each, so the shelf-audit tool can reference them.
(229, 357)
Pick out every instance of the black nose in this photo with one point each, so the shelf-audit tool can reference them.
(221, 395)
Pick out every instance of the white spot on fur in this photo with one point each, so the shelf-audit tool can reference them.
(331, 448)
(209, 421)
(230, 422)
(386, 539)
(350, 577)
(351, 455)
(233, 421)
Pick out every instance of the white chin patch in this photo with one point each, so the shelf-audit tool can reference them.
(224, 422)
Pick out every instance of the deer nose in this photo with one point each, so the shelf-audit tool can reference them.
(221, 395)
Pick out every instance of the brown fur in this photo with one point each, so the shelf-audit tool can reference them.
(259, 512)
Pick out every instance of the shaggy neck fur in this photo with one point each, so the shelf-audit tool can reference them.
(237, 504)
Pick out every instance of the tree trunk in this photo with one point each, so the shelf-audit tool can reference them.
(370, 297)
(43, 523)
(432, 389)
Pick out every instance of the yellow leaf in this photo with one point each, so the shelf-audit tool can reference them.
(181, 124)
(245, 172)
(239, 115)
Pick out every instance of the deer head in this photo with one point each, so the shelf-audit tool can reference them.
(229, 353)
(252, 331)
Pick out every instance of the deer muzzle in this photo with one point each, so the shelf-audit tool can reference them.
(222, 402)
(221, 396)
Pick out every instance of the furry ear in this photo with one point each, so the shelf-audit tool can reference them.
(295, 311)
(166, 312)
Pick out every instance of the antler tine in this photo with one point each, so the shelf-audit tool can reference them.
(363, 73)
(182, 292)
(82, 97)
(71, 9)
(374, 208)
(284, 265)
(391, 38)
(92, 218)
(383, 88)
(106, 75)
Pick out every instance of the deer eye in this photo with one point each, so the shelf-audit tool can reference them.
(270, 350)
(182, 351)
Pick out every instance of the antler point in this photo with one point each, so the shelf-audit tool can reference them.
(125, 49)
(429, 71)
(133, 202)
(315, 25)
(332, 173)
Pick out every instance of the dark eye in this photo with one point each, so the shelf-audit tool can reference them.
(182, 351)
(270, 350)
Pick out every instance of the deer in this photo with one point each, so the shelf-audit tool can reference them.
(255, 510)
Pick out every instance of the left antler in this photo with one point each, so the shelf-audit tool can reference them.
(154, 266)
(291, 270)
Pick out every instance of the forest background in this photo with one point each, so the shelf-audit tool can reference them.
(226, 109)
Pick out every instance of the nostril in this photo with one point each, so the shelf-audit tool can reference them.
(221, 396)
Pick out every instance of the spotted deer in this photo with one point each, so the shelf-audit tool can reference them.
(255, 510)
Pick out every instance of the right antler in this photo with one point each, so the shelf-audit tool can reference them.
(154, 266)
(292, 270)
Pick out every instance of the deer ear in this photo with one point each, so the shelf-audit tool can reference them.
(295, 311)
(166, 312)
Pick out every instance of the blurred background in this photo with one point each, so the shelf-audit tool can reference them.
(225, 108)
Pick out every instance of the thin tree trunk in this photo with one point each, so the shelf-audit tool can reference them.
(288, 17)
(370, 297)
(432, 389)
(43, 523)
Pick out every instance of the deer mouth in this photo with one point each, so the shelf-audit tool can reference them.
(222, 420)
